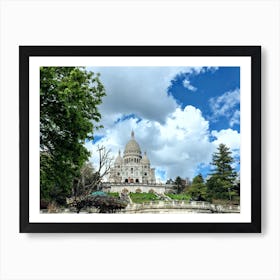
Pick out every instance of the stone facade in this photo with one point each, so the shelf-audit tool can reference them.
(132, 167)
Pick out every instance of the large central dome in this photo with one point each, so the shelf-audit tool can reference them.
(132, 147)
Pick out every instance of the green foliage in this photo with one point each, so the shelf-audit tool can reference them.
(222, 161)
(182, 196)
(143, 197)
(198, 179)
(69, 97)
(178, 180)
(216, 189)
(222, 181)
(179, 184)
(113, 194)
(236, 189)
(197, 190)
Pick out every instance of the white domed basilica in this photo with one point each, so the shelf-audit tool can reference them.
(132, 167)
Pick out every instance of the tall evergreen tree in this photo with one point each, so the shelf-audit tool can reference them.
(223, 178)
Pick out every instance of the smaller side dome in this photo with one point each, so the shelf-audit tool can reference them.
(119, 159)
(145, 159)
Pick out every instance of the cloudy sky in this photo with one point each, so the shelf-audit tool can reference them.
(179, 115)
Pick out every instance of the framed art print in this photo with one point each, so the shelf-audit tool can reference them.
(140, 138)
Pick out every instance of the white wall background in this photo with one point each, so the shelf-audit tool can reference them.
(139, 256)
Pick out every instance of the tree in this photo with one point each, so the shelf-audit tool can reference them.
(197, 190)
(89, 178)
(222, 180)
(105, 162)
(84, 183)
(69, 99)
(179, 184)
(169, 182)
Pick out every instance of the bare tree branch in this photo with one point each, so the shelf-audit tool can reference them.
(90, 179)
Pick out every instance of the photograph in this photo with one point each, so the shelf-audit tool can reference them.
(140, 139)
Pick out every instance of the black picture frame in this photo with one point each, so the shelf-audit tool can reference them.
(254, 52)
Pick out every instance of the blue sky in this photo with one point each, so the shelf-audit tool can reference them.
(200, 89)
(179, 114)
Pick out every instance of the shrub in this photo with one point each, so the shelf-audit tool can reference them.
(114, 194)
(104, 204)
(143, 197)
(178, 196)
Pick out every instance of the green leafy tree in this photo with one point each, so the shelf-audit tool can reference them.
(69, 99)
(197, 190)
(222, 181)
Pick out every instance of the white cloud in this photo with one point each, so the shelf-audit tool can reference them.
(139, 90)
(235, 119)
(229, 137)
(187, 85)
(176, 140)
(224, 105)
(177, 147)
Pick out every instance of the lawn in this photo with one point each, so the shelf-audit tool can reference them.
(181, 196)
(114, 194)
(143, 197)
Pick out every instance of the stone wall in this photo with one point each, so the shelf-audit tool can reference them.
(144, 188)
(179, 207)
(166, 207)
